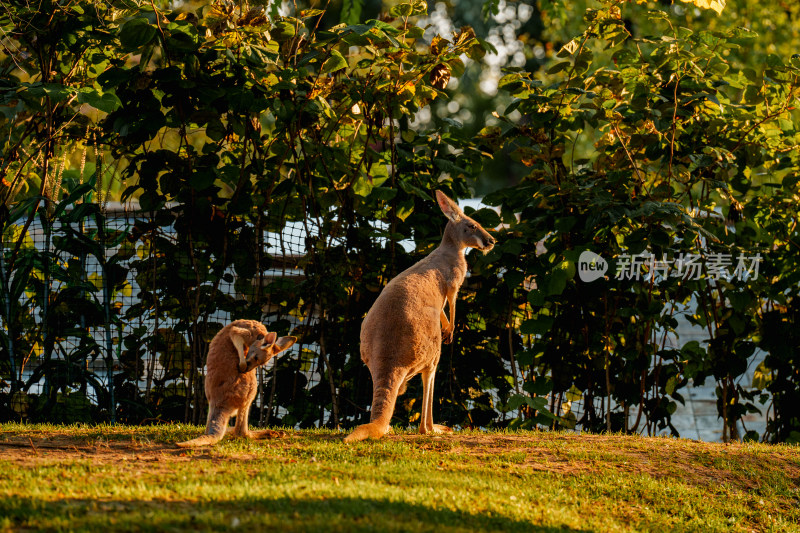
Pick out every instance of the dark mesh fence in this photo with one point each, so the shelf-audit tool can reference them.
(107, 333)
(129, 357)
(127, 349)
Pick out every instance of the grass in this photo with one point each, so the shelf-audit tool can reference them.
(82, 478)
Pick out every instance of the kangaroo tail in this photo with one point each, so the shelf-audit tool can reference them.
(215, 430)
(203, 440)
(384, 396)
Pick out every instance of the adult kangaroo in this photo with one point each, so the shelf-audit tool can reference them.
(401, 334)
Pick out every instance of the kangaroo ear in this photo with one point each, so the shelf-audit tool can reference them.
(237, 337)
(269, 340)
(283, 343)
(448, 206)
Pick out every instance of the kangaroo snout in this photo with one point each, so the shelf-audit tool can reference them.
(264, 348)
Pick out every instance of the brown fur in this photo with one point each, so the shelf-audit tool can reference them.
(401, 335)
(231, 383)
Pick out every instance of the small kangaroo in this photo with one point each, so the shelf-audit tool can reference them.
(401, 335)
(230, 381)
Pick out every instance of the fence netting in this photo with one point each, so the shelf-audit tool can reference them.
(104, 331)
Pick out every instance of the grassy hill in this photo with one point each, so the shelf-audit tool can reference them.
(82, 478)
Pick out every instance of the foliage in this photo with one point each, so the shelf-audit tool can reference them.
(232, 124)
(230, 127)
(53, 282)
(690, 156)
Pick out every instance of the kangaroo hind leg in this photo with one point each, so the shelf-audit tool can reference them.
(384, 396)
(426, 424)
(216, 427)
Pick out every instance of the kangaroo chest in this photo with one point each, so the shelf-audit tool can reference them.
(453, 277)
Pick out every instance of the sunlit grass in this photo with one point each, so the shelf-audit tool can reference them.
(133, 478)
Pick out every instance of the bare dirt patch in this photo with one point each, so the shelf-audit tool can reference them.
(30, 451)
(37, 448)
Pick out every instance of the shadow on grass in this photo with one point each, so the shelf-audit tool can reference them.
(282, 514)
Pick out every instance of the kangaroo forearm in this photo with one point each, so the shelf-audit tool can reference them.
(452, 299)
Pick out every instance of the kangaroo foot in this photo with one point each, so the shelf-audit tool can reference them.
(434, 429)
(366, 431)
(267, 434)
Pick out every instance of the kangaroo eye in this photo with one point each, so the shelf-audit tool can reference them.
(473, 227)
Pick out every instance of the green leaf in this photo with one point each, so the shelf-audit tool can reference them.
(541, 386)
(537, 326)
(115, 76)
(21, 277)
(750, 436)
(762, 376)
(739, 300)
(415, 32)
(672, 382)
(260, 56)
(539, 403)
(107, 102)
(558, 67)
(404, 209)
(526, 358)
(536, 297)
(564, 224)
(136, 33)
(488, 218)
(310, 13)
(56, 91)
(363, 186)
(515, 402)
(351, 11)
(401, 10)
(201, 180)
(282, 31)
(514, 279)
(335, 62)
(75, 194)
(556, 282)
(215, 129)
(384, 194)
